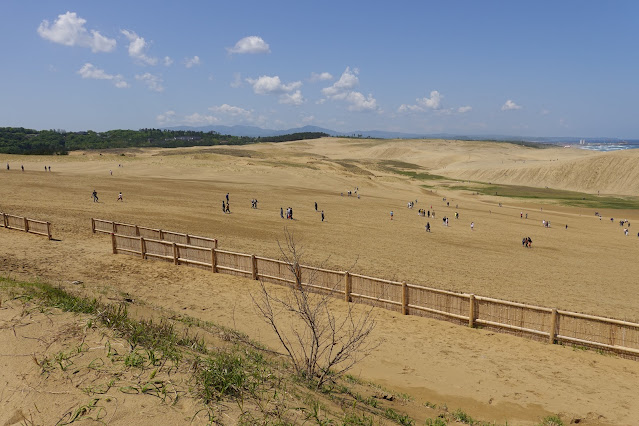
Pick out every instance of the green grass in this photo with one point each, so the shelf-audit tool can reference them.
(408, 169)
(551, 421)
(569, 198)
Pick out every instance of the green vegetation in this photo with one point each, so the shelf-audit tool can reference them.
(408, 169)
(18, 140)
(568, 198)
(551, 421)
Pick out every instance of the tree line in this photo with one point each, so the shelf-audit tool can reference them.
(18, 140)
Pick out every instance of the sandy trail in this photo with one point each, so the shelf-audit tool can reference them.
(492, 376)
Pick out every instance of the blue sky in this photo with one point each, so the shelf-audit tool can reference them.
(543, 68)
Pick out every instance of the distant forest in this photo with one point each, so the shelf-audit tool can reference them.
(18, 140)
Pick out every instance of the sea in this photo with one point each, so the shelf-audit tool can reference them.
(609, 146)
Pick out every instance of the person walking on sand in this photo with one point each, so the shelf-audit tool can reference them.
(391, 213)
(227, 197)
(95, 196)
(223, 207)
(228, 208)
(315, 205)
(120, 197)
(472, 226)
(427, 226)
(322, 215)
(282, 212)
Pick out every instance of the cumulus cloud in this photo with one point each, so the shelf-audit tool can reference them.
(237, 80)
(69, 30)
(191, 62)
(464, 109)
(342, 90)
(233, 111)
(346, 82)
(165, 118)
(266, 85)
(138, 47)
(152, 82)
(251, 44)
(92, 72)
(509, 106)
(168, 61)
(323, 76)
(295, 98)
(197, 119)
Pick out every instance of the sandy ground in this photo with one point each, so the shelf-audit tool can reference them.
(588, 267)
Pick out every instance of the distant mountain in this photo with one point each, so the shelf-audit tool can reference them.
(253, 131)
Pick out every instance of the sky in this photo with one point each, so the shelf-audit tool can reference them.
(542, 68)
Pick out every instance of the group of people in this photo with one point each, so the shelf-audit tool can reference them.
(94, 195)
(22, 167)
(289, 213)
(350, 192)
(526, 242)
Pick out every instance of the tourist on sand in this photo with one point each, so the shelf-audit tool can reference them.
(111, 172)
(7, 166)
(282, 212)
(227, 197)
(427, 226)
(45, 168)
(223, 207)
(391, 215)
(315, 205)
(566, 226)
(49, 168)
(95, 196)
(228, 207)
(120, 197)
(322, 215)
(22, 166)
(472, 226)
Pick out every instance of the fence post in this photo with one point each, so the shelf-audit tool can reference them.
(142, 247)
(114, 244)
(175, 254)
(215, 243)
(188, 239)
(5, 220)
(253, 267)
(114, 227)
(93, 225)
(213, 260)
(137, 231)
(298, 276)
(26, 224)
(49, 230)
(348, 286)
(404, 298)
(471, 311)
(553, 327)
(161, 235)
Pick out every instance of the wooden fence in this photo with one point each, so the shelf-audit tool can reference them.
(110, 227)
(535, 322)
(20, 223)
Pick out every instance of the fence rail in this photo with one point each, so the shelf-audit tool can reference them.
(534, 322)
(21, 223)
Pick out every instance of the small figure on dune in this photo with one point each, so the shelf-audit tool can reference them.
(120, 197)
(95, 196)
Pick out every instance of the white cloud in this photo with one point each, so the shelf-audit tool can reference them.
(346, 82)
(165, 118)
(168, 61)
(231, 110)
(464, 109)
(137, 48)
(434, 102)
(153, 82)
(295, 98)
(237, 80)
(69, 30)
(91, 71)
(251, 44)
(410, 108)
(323, 76)
(266, 85)
(358, 102)
(510, 105)
(190, 62)
(199, 119)
(308, 119)
(320, 101)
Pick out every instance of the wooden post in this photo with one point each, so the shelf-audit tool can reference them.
(49, 230)
(142, 247)
(175, 254)
(348, 286)
(114, 227)
(161, 235)
(215, 243)
(253, 267)
(553, 327)
(137, 231)
(5, 220)
(113, 244)
(93, 225)
(213, 260)
(26, 224)
(188, 239)
(472, 311)
(404, 298)
(298, 276)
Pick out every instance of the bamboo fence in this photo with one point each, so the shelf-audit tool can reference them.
(21, 223)
(534, 322)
